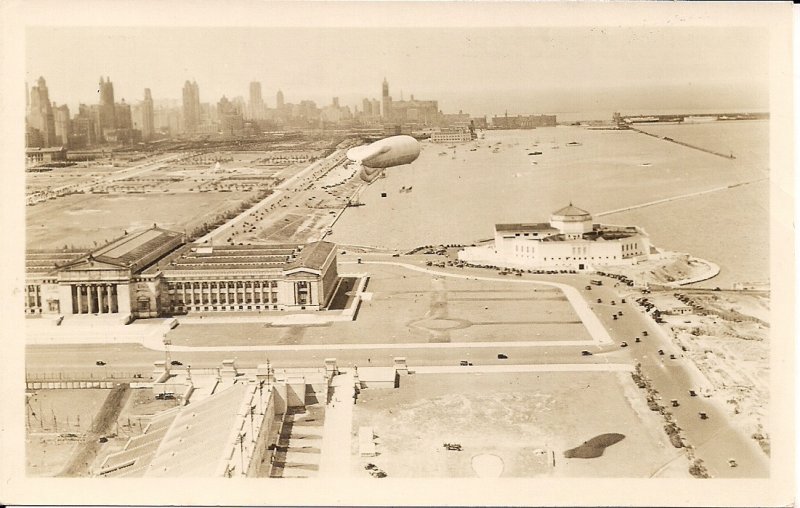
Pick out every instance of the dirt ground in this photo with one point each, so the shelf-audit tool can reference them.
(134, 417)
(56, 422)
(527, 419)
(83, 219)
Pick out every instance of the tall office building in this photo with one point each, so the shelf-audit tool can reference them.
(62, 124)
(386, 101)
(123, 115)
(148, 121)
(366, 106)
(40, 116)
(107, 111)
(191, 106)
(256, 105)
(279, 100)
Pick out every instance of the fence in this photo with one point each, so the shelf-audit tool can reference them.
(86, 376)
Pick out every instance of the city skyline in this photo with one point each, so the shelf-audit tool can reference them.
(480, 71)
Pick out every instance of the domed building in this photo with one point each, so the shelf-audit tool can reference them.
(571, 240)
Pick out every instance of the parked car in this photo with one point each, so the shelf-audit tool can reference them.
(502, 356)
(175, 363)
(100, 363)
(465, 363)
(638, 339)
(586, 353)
(588, 288)
(623, 344)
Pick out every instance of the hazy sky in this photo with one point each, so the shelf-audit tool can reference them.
(479, 70)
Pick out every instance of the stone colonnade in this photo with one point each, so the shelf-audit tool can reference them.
(94, 298)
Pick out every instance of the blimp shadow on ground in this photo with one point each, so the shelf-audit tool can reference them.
(382, 154)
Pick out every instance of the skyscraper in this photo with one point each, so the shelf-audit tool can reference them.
(62, 124)
(108, 119)
(256, 104)
(40, 116)
(387, 101)
(191, 106)
(148, 123)
(366, 105)
(279, 100)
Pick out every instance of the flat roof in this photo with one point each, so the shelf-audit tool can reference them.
(47, 261)
(131, 249)
(524, 227)
(271, 257)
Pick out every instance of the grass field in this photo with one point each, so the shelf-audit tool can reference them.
(526, 419)
(410, 306)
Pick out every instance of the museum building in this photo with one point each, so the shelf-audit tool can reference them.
(156, 273)
(571, 240)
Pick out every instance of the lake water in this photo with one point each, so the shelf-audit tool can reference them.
(458, 198)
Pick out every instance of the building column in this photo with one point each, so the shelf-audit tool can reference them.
(78, 299)
(74, 293)
(107, 293)
(114, 301)
(219, 292)
(101, 299)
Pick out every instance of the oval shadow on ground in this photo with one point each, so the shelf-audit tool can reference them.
(594, 447)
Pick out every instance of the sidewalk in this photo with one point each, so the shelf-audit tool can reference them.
(337, 433)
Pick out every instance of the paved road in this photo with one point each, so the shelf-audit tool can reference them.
(714, 439)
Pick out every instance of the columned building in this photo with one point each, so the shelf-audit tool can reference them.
(154, 273)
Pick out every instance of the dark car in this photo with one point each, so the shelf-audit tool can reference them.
(623, 344)
(502, 356)
(586, 353)
(100, 363)
(588, 288)
(175, 362)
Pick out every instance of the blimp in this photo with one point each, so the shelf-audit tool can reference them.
(382, 154)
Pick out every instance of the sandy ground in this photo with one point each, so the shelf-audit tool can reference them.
(50, 416)
(525, 419)
(733, 354)
(415, 307)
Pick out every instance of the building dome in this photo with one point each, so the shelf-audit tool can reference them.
(572, 213)
(571, 221)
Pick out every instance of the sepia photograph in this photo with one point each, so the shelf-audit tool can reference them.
(399, 253)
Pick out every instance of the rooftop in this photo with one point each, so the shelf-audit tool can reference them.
(571, 211)
(525, 227)
(313, 256)
(276, 257)
(195, 444)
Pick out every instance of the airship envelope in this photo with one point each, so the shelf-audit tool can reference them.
(384, 153)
